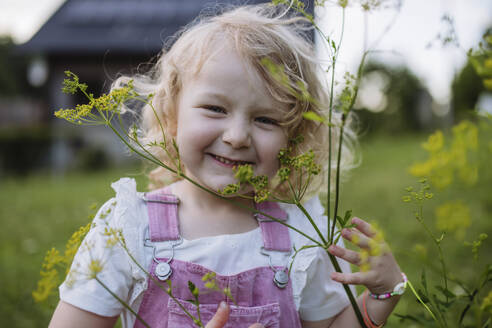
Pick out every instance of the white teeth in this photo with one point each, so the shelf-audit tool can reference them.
(228, 162)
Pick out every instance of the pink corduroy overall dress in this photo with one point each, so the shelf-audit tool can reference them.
(258, 298)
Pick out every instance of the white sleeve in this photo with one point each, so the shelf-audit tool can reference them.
(321, 297)
(317, 296)
(99, 257)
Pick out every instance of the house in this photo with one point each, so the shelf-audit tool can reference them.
(98, 40)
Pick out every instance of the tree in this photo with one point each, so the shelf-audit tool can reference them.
(13, 79)
(404, 103)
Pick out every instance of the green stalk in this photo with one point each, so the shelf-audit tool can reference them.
(337, 182)
(123, 303)
(330, 115)
(151, 159)
(297, 251)
(168, 292)
(198, 312)
(253, 210)
(344, 119)
(438, 245)
(335, 264)
(441, 260)
(351, 297)
(421, 301)
(306, 214)
(467, 307)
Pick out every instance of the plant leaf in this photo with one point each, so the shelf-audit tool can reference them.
(348, 215)
(313, 117)
(193, 289)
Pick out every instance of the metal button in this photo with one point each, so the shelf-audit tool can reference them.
(163, 271)
(281, 279)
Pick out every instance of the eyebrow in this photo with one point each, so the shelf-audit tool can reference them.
(213, 94)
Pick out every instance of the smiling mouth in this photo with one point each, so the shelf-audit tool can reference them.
(229, 162)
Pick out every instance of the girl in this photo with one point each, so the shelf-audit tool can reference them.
(217, 99)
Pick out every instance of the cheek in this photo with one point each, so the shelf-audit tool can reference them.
(194, 135)
(270, 152)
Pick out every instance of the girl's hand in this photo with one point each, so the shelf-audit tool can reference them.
(380, 273)
(222, 315)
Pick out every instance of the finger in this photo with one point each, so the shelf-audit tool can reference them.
(257, 325)
(355, 278)
(220, 317)
(346, 254)
(364, 227)
(355, 237)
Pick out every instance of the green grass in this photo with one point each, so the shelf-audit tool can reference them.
(40, 212)
(37, 213)
(374, 192)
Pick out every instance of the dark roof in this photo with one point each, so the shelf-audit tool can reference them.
(86, 27)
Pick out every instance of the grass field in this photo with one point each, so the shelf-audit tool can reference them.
(40, 211)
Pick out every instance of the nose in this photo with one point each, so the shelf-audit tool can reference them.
(237, 134)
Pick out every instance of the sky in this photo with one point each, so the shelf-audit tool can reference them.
(417, 23)
(22, 18)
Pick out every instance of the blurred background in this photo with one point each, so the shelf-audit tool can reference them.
(420, 78)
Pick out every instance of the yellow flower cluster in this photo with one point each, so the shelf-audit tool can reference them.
(54, 261)
(114, 236)
(481, 60)
(420, 195)
(376, 247)
(105, 103)
(476, 244)
(95, 266)
(444, 162)
(211, 284)
(453, 217)
(244, 174)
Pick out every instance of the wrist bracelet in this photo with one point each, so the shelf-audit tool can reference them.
(367, 319)
(398, 290)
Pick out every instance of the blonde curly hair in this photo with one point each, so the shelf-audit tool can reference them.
(255, 33)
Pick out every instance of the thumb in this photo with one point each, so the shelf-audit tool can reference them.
(257, 325)
(220, 317)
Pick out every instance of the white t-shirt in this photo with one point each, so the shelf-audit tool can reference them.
(316, 296)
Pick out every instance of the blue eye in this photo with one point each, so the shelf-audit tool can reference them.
(216, 109)
(266, 120)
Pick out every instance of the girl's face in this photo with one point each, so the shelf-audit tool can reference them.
(226, 117)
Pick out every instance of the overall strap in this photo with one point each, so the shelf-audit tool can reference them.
(275, 235)
(163, 215)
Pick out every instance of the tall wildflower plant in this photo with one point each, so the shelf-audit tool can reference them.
(107, 110)
(455, 297)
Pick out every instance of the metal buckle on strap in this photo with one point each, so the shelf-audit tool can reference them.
(163, 270)
(280, 277)
(175, 201)
(259, 219)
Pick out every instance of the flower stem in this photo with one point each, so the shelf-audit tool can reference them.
(123, 303)
(337, 182)
(421, 301)
(321, 237)
(351, 297)
(168, 292)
